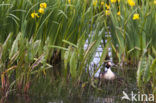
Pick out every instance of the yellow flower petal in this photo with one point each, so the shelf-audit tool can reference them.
(113, 1)
(131, 3)
(43, 5)
(33, 15)
(118, 13)
(136, 16)
(36, 15)
(69, 1)
(107, 12)
(94, 2)
(155, 2)
(41, 10)
(102, 3)
(107, 6)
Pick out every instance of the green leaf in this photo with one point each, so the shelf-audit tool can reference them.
(6, 47)
(73, 64)
(80, 49)
(36, 46)
(104, 52)
(141, 67)
(15, 45)
(147, 74)
(67, 56)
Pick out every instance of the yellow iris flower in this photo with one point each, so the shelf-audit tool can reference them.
(102, 3)
(94, 2)
(118, 13)
(107, 12)
(33, 15)
(69, 1)
(136, 16)
(131, 3)
(43, 5)
(41, 10)
(113, 1)
(107, 6)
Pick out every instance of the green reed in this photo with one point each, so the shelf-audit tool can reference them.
(132, 35)
(29, 45)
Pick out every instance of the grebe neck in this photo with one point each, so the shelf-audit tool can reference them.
(106, 69)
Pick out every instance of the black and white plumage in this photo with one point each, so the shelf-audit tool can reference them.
(107, 74)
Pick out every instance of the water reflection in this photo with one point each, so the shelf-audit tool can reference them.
(101, 100)
(110, 93)
(90, 99)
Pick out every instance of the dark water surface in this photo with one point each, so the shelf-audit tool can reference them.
(110, 92)
(90, 99)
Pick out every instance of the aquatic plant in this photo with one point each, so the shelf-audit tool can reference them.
(20, 59)
(36, 35)
(146, 73)
(25, 52)
(132, 29)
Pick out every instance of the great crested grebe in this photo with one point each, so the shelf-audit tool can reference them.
(107, 74)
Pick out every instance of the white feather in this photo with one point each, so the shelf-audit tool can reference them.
(109, 75)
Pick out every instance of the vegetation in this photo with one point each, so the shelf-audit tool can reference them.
(37, 36)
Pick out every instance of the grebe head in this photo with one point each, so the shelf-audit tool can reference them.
(108, 64)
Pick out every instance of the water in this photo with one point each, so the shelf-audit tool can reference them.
(111, 92)
(90, 99)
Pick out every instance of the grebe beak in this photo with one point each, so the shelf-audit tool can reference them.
(109, 63)
(112, 64)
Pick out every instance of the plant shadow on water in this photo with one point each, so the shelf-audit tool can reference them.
(49, 90)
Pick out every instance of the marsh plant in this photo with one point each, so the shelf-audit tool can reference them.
(36, 36)
(146, 72)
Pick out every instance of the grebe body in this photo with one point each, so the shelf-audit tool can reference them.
(107, 74)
